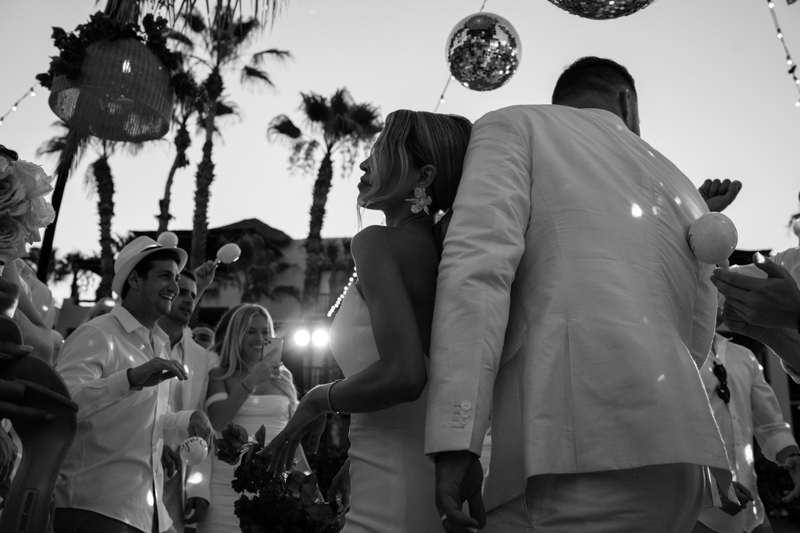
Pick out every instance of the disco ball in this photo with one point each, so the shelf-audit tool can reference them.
(483, 51)
(602, 9)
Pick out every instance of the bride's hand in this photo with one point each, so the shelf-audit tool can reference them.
(339, 491)
(310, 417)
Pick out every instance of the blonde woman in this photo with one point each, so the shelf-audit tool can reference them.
(250, 387)
(382, 332)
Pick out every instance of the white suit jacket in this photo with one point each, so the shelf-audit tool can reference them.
(569, 305)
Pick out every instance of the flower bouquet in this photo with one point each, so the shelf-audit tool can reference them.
(270, 503)
(23, 209)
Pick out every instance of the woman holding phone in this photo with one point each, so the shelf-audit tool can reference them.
(251, 388)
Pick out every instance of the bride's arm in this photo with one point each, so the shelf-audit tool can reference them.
(223, 404)
(400, 374)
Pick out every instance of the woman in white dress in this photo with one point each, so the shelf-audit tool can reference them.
(382, 332)
(248, 388)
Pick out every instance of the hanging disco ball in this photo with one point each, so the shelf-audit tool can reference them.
(602, 9)
(483, 51)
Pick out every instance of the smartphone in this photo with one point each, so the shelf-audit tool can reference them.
(270, 350)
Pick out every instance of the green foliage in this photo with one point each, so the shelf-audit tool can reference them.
(101, 27)
(269, 503)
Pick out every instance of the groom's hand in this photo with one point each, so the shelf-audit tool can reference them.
(459, 477)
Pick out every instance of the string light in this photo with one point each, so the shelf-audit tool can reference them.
(450, 78)
(340, 299)
(29, 92)
(789, 61)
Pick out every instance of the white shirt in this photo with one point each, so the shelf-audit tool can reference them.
(752, 410)
(115, 461)
(569, 304)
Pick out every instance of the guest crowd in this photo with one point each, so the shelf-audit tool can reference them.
(543, 331)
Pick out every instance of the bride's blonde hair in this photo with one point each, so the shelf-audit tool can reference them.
(230, 354)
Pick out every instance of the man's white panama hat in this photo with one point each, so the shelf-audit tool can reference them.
(135, 251)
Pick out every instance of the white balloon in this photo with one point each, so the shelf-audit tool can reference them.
(168, 239)
(229, 253)
(712, 238)
(796, 227)
(194, 451)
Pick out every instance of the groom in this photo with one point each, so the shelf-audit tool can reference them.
(571, 311)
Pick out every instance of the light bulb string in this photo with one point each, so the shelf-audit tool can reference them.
(340, 299)
(450, 78)
(789, 60)
(29, 92)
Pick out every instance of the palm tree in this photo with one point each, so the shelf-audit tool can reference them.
(185, 109)
(258, 269)
(99, 177)
(336, 124)
(223, 38)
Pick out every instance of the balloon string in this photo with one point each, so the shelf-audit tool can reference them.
(446, 85)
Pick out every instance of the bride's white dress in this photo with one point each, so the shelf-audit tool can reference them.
(392, 479)
(271, 411)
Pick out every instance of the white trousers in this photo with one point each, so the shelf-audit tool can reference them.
(651, 499)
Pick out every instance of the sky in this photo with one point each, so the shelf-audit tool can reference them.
(714, 97)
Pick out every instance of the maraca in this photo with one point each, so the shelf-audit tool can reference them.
(194, 451)
(228, 253)
(796, 227)
(712, 238)
(168, 239)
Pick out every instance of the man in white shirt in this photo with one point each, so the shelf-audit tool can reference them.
(744, 406)
(117, 369)
(570, 307)
(188, 394)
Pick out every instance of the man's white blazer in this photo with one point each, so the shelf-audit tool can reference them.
(569, 306)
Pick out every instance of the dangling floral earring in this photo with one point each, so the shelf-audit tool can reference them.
(420, 202)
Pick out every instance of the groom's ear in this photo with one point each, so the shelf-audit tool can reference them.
(426, 176)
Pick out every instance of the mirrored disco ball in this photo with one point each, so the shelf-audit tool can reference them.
(483, 51)
(602, 9)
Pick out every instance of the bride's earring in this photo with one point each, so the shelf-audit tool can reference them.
(420, 202)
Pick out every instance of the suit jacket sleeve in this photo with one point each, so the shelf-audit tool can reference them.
(482, 249)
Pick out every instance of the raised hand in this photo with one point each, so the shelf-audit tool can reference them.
(154, 372)
(719, 195)
(773, 302)
(205, 275)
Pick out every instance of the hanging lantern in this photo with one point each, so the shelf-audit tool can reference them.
(602, 9)
(122, 94)
(483, 51)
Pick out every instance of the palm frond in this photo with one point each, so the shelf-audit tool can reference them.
(282, 126)
(273, 53)
(180, 38)
(315, 108)
(195, 21)
(340, 102)
(253, 74)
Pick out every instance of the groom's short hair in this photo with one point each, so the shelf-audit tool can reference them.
(592, 75)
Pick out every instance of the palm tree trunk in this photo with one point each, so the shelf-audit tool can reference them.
(105, 208)
(66, 158)
(204, 178)
(182, 142)
(314, 253)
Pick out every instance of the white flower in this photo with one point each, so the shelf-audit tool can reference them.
(33, 177)
(12, 239)
(40, 215)
(421, 201)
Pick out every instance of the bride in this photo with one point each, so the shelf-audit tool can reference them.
(382, 332)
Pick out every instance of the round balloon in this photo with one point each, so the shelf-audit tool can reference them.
(168, 239)
(483, 51)
(796, 227)
(229, 253)
(712, 238)
(194, 451)
(602, 9)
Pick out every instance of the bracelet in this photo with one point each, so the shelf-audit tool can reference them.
(330, 407)
(248, 391)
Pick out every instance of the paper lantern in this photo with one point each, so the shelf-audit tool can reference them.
(602, 9)
(483, 51)
(122, 94)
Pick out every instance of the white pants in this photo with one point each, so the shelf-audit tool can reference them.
(651, 499)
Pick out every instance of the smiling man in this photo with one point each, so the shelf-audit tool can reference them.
(118, 370)
(188, 394)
